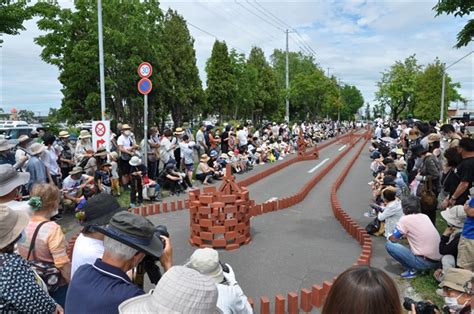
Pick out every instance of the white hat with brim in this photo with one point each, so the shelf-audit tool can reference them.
(36, 149)
(206, 261)
(135, 161)
(84, 134)
(64, 134)
(5, 145)
(454, 216)
(180, 290)
(12, 224)
(11, 179)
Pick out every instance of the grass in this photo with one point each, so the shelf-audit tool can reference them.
(425, 284)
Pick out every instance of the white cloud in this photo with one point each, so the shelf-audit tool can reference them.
(356, 39)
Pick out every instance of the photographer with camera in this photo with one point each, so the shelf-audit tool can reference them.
(101, 287)
(231, 298)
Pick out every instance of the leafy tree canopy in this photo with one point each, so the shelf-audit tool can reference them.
(458, 8)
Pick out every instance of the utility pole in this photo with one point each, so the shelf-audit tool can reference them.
(443, 86)
(328, 71)
(287, 83)
(101, 60)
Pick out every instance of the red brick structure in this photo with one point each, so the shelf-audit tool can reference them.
(220, 218)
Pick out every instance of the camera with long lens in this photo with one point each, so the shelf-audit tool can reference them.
(148, 264)
(421, 307)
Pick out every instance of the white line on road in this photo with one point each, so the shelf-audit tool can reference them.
(318, 165)
(341, 148)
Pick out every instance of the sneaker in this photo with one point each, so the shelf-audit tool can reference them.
(132, 205)
(408, 274)
(370, 214)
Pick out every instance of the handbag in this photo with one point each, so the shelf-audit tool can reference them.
(46, 271)
(428, 200)
(373, 226)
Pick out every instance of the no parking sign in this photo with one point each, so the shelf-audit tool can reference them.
(101, 134)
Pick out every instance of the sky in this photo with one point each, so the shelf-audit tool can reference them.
(355, 40)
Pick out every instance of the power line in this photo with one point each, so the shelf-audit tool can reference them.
(274, 16)
(265, 12)
(260, 17)
(212, 35)
(301, 48)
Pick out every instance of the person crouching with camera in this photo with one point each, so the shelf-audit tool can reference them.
(101, 287)
(231, 298)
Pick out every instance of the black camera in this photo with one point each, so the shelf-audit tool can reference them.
(421, 307)
(161, 230)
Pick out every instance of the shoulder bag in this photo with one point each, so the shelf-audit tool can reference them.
(428, 200)
(46, 271)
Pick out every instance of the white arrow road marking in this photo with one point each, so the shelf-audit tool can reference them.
(318, 165)
(341, 148)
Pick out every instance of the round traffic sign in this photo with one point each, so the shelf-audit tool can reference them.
(144, 86)
(145, 69)
(100, 129)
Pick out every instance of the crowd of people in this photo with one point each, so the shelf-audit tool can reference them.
(421, 169)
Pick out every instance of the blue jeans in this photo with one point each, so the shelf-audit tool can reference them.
(60, 295)
(404, 256)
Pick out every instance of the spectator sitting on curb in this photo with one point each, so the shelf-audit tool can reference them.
(89, 246)
(180, 290)
(231, 297)
(422, 236)
(73, 187)
(101, 287)
(392, 211)
(10, 189)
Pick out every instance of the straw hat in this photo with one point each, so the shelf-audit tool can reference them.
(224, 156)
(5, 145)
(433, 137)
(12, 224)
(84, 134)
(36, 149)
(179, 131)
(101, 151)
(399, 152)
(64, 134)
(125, 127)
(180, 290)
(76, 170)
(113, 156)
(204, 158)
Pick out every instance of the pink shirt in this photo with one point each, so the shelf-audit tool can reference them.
(421, 234)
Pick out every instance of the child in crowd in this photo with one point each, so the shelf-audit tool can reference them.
(103, 178)
(137, 171)
(114, 171)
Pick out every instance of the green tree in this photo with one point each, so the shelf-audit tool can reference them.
(352, 101)
(26, 115)
(428, 92)
(367, 111)
(397, 87)
(12, 16)
(180, 88)
(243, 76)
(264, 87)
(459, 8)
(221, 85)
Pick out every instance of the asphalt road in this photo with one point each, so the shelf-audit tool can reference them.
(290, 249)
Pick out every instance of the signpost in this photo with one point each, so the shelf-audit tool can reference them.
(144, 87)
(101, 134)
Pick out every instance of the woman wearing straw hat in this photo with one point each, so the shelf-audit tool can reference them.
(204, 173)
(66, 155)
(84, 148)
(19, 288)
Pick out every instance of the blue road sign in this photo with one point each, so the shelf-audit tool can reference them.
(144, 86)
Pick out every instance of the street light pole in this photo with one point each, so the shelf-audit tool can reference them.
(101, 60)
(287, 83)
(441, 115)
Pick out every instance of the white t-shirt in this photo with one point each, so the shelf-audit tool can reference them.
(242, 136)
(86, 251)
(125, 141)
(50, 160)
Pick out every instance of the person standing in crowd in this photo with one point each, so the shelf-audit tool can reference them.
(168, 297)
(19, 289)
(450, 135)
(200, 140)
(126, 148)
(12, 183)
(84, 149)
(167, 148)
(466, 242)
(89, 245)
(231, 298)
(450, 179)
(363, 289)
(36, 167)
(50, 159)
(137, 171)
(177, 140)
(465, 170)
(187, 151)
(50, 243)
(6, 156)
(242, 138)
(225, 139)
(154, 153)
(22, 155)
(423, 239)
(66, 156)
(105, 284)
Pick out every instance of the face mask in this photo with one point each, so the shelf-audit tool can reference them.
(452, 303)
(127, 133)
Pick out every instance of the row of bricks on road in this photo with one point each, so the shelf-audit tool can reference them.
(307, 299)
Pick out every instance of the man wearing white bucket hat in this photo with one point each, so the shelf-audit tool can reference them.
(36, 167)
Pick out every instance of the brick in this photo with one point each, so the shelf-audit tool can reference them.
(231, 235)
(186, 203)
(196, 240)
(150, 209)
(206, 199)
(204, 210)
(205, 223)
(165, 207)
(292, 303)
(230, 209)
(218, 229)
(220, 243)
(230, 222)
(264, 305)
(326, 287)
(173, 206)
(279, 304)
(232, 247)
(317, 296)
(209, 190)
(195, 228)
(180, 204)
(136, 210)
(206, 236)
(305, 300)
(143, 210)
(228, 199)
(217, 205)
(157, 208)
